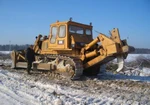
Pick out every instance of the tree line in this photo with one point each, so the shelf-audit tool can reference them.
(8, 47)
(141, 51)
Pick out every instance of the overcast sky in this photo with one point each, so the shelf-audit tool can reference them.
(22, 20)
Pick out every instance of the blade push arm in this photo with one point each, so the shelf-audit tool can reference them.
(108, 49)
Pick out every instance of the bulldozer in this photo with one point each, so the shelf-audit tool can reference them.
(71, 51)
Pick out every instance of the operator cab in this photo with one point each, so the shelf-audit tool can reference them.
(80, 34)
(68, 35)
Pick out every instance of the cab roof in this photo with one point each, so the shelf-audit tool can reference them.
(72, 23)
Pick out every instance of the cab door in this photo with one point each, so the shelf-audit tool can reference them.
(58, 37)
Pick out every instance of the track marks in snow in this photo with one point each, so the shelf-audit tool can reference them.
(12, 89)
(7, 100)
(15, 96)
(22, 89)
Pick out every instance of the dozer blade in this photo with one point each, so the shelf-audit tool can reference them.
(120, 62)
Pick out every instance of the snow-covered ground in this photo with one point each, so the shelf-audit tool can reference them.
(23, 89)
(138, 69)
(5, 52)
(17, 91)
(133, 57)
(18, 88)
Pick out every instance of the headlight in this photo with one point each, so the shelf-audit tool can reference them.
(72, 45)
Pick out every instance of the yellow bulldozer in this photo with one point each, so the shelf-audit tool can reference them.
(70, 50)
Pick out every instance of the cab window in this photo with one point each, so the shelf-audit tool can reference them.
(76, 29)
(62, 31)
(88, 32)
(54, 33)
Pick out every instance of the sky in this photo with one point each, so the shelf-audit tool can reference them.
(22, 20)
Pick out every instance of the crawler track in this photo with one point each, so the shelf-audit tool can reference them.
(71, 67)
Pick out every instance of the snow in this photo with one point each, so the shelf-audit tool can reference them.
(138, 70)
(133, 57)
(5, 58)
(5, 52)
(5, 62)
(17, 90)
(141, 78)
(146, 71)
